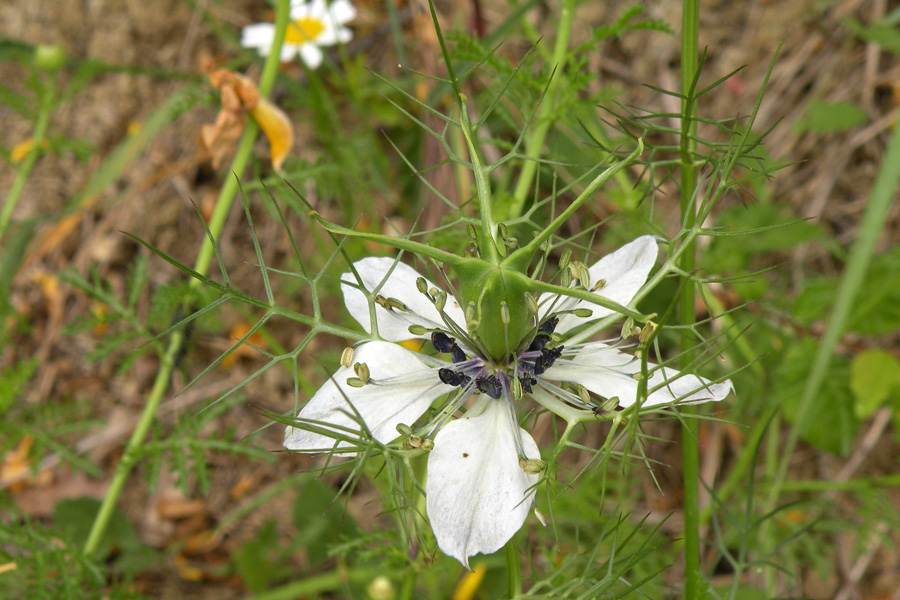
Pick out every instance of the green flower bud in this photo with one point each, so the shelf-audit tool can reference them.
(49, 58)
(381, 588)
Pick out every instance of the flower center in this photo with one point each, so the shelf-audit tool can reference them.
(488, 378)
(303, 30)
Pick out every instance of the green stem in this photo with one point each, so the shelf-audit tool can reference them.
(592, 187)
(513, 570)
(534, 141)
(48, 97)
(167, 361)
(689, 444)
(482, 187)
(883, 193)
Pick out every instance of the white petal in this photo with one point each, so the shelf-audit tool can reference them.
(288, 52)
(402, 388)
(301, 8)
(332, 35)
(400, 284)
(624, 272)
(258, 35)
(311, 55)
(605, 371)
(477, 495)
(341, 12)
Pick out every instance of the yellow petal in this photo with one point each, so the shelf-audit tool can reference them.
(277, 128)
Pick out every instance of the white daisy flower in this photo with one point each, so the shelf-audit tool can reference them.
(313, 24)
(483, 467)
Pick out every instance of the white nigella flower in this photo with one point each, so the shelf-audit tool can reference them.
(313, 24)
(483, 467)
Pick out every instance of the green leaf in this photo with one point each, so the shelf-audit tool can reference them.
(874, 375)
(259, 561)
(882, 33)
(74, 517)
(830, 117)
(320, 520)
(877, 308)
(832, 424)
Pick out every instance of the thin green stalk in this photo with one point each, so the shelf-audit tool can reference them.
(534, 140)
(513, 570)
(167, 361)
(48, 97)
(488, 240)
(690, 17)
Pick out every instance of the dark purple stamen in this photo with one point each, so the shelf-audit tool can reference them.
(446, 344)
(451, 377)
(489, 385)
(442, 342)
(546, 359)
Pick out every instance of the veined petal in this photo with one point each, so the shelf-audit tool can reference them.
(391, 279)
(623, 271)
(477, 495)
(604, 370)
(402, 387)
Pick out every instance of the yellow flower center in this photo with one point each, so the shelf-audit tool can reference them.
(304, 29)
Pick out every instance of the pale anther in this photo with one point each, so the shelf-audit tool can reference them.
(347, 357)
